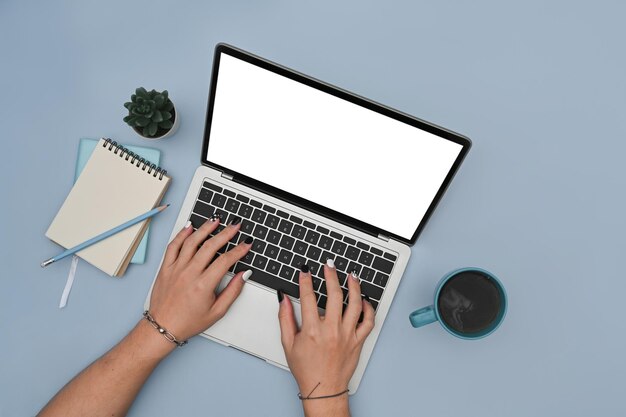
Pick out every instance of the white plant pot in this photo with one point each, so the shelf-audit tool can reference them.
(169, 132)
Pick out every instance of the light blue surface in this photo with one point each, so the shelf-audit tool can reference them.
(85, 149)
(431, 313)
(540, 88)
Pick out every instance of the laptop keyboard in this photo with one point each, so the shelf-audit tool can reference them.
(283, 241)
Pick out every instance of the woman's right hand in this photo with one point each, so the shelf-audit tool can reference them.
(324, 353)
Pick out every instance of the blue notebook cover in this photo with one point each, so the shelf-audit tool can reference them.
(85, 149)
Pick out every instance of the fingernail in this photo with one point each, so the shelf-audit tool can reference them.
(304, 268)
(354, 275)
(235, 221)
(280, 295)
(187, 224)
(246, 275)
(330, 263)
(249, 240)
(215, 216)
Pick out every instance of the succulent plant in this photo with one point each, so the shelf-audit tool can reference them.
(150, 112)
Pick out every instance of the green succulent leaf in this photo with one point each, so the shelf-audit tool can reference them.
(142, 121)
(165, 95)
(168, 106)
(159, 101)
(166, 124)
(152, 128)
(157, 117)
(146, 131)
(133, 97)
(128, 104)
(130, 120)
(141, 92)
(166, 115)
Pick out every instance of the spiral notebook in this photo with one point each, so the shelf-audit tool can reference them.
(114, 186)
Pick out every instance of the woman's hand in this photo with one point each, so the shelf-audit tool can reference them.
(183, 299)
(324, 353)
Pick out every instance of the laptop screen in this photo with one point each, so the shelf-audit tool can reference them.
(325, 149)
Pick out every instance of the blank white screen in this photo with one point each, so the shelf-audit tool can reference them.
(325, 149)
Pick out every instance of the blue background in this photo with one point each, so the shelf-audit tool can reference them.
(539, 87)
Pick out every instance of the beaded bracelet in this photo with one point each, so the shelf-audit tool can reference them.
(163, 331)
(308, 397)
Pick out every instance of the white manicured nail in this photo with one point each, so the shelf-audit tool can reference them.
(330, 263)
(354, 275)
(246, 275)
(187, 224)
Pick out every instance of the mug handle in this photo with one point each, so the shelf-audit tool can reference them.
(423, 316)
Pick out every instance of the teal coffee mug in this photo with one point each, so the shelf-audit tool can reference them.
(470, 303)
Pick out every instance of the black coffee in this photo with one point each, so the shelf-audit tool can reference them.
(469, 302)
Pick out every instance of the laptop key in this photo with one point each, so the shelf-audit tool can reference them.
(285, 226)
(312, 237)
(213, 187)
(258, 216)
(327, 255)
(336, 235)
(376, 251)
(339, 247)
(205, 195)
(353, 266)
(349, 240)
(309, 224)
(300, 247)
(314, 267)
(286, 272)
(260, 231)
(316, 283)
(342, 278)
(273, 267)
(372, 291)
(245, 211)
(218, 200)
(382, 265)
(285, 256)
(325, 242)
(321, 303)
(258, 246)
(366, 258)
(260, 261)
(222, 213)
(314, 253)
(298, 232)
(273, 237)
(298, 261)
(256, 203)
(295, 219)
(381, 279)
(248, 258)
(243, 198)
(247, 226)
(282, 214)
(196, 221)
(367, 274)
(272, 251)
(322, 229)
(272, 221)
(341, 263)
(362, 245)
(269, 209)
(390, 256)
(264, 278)
(286, 242)
(352, 253)
(203, 209)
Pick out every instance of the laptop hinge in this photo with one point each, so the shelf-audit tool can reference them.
(383, 237)
(227, 176)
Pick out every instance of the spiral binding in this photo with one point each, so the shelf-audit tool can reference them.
(134, 158)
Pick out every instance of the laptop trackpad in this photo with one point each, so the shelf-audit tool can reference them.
(251, 323)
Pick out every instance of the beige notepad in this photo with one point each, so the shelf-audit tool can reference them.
(114, 187)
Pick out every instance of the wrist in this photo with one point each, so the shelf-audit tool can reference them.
(336, 406)
(151, 343)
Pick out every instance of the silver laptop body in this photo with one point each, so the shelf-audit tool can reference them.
(235, 127)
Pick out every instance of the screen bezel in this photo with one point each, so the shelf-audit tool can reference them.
(345, 95)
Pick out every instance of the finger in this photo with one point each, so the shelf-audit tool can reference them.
(222, 264)
(229, 294)
(365, 327)
(355, 302)
(287, 321)
(308, 299)
(334, 304)
(173, 249)
(210, 247)
(190, 246)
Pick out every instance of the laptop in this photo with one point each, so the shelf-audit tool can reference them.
(314, 172)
